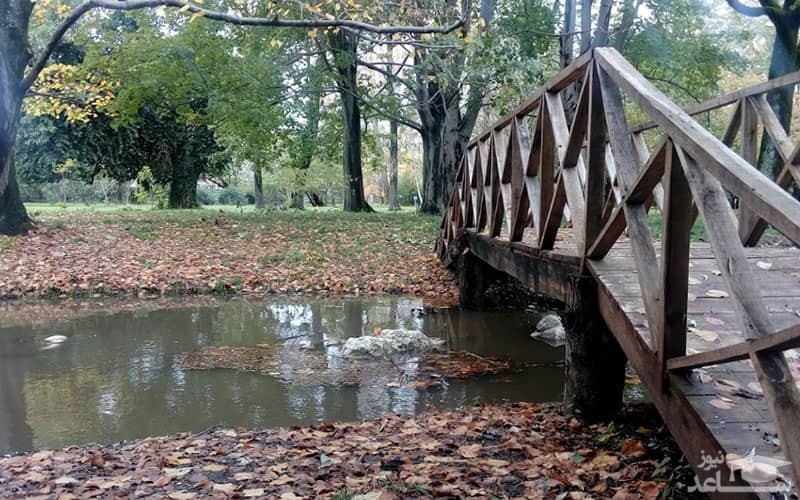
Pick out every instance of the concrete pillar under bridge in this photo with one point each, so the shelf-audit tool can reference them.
(595, 363)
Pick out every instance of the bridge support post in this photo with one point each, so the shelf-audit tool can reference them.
(595, 363)
(481, 286)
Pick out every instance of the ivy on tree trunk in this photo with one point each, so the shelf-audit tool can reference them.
(14, 55)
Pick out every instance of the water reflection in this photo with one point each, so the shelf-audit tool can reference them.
(117, 376)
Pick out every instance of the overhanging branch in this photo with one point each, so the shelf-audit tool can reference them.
(126, 5)
(747, 10)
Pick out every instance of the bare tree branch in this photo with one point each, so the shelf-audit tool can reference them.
(127, 5)
(747, 10)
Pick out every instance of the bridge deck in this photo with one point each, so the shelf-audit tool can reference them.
(727, 397)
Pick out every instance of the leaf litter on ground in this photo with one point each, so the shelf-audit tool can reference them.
(170, 252)
(518, 450)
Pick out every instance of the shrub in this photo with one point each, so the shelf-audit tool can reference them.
(231, 195)
(206, 196)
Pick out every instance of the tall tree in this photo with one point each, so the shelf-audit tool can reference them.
(344, 48)
(16, 55)
(785, 18)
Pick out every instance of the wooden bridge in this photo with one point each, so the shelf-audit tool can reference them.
(567, 209)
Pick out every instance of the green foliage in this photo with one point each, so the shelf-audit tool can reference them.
(406, 189)
(679, 47)
(231, 195)
(206, 196)
(148, 191)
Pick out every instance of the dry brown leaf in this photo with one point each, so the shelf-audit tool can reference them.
(722, 403)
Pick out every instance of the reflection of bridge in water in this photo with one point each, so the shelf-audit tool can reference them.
(704, 324)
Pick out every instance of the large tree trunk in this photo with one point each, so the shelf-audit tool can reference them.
(783, 61)
(394, 203)
(14, 56)
(344, 46)
(183, 185)
(433, 180)
(258, 187)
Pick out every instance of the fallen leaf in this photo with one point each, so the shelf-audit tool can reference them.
(65, 480)
(470, 451)
(722, 404)
(632, 447)
(707, 335)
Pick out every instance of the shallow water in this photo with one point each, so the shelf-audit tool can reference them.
(117, 377)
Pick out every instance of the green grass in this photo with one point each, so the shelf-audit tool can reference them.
(656, 222)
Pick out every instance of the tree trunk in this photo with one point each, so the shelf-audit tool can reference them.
(183, 185)
(567, 38)
(344, 46)
(258, 188)
(433, 182)
(298, 200)
(315, 199)
(14, 56)
(783, 61)
(394, 203)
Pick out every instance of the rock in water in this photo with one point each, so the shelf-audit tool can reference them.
(550, 330)
(389, 342)
(55, 339)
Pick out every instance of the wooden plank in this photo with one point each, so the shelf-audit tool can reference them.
(641, 150)
(484, 149)
(724, 100)
(580, 123)
(649, 177)
(554, 215)
(733, 126)
(611, 170)
(495, 222)
(570, 178)
(773, 372)
(596, 155)
(644, 252)
(747, 218)
(533, 179)
(674, 262)
(788, 338)
(754, 189)
(559, 82)
(548, 191)
(517, 157)
(772, 126)
(502, 148)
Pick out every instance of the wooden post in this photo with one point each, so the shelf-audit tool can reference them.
(595, 374)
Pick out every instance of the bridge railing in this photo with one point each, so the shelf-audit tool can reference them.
(523, 175)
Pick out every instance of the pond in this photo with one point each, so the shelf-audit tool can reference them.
(118, 377)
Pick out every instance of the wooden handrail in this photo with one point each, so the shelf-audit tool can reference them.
(730, 98)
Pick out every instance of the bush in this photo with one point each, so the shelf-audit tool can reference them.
(206, 196)
(406, 189)
(231, 195)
